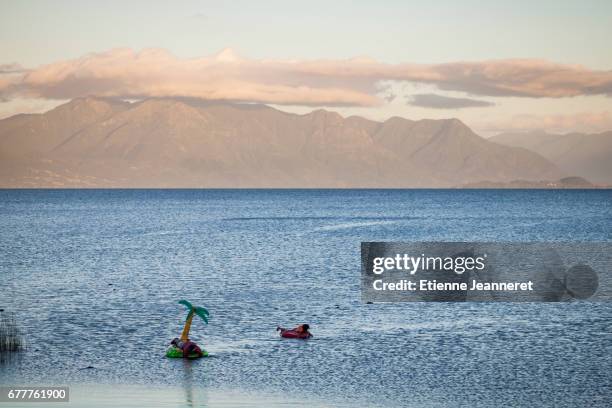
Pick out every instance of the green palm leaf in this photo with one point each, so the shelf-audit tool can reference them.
(203, 313)
(200, 311)
(185, 303)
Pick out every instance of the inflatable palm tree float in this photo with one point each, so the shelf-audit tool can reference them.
(175, 351)
(193, 310)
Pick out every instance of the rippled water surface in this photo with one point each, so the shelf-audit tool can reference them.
(93, 277)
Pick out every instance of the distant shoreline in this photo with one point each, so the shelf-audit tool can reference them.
(297, 188)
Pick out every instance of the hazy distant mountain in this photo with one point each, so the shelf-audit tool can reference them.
(564, 183)
(587, 155)
(170, 143)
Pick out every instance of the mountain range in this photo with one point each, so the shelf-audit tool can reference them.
(589, 155)
(95, 142)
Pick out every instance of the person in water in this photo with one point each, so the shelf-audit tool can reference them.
(188, 347)
(301, 331)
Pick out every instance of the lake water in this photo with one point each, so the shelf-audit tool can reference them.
(94, 277)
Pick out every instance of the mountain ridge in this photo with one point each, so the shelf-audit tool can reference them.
(97, 142)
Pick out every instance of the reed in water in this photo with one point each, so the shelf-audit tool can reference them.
(10, 336)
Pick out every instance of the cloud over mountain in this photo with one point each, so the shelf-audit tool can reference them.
(12, 68)
(446, 102)
(125, 73)
(575, 122)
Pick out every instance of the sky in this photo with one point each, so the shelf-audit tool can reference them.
(497, 66)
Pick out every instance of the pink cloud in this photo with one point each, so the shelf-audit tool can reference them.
(124, 73)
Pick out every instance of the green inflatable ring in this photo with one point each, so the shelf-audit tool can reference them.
(175, 352)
